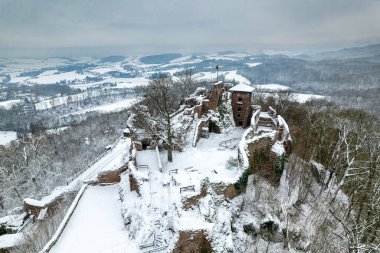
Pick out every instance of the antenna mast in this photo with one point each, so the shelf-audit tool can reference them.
(217, 68)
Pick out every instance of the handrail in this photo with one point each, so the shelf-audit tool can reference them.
(23, 225)
(186, 188)
(142, 166)
(173, 171)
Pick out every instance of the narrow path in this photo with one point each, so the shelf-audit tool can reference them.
(157, 203)
(96, 225)
(112, 160)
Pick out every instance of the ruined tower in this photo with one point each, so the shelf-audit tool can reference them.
(241, 104)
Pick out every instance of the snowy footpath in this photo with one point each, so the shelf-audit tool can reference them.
(96, 225)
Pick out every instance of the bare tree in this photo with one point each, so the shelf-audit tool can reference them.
(161, 102)
(356, 162)
(186, 83)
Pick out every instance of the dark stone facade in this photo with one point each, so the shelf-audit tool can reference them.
(241, 107)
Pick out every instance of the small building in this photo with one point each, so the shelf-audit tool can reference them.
(241, 104)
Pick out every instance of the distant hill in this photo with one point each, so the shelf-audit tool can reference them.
(226, 52)
(113, 58)
(159, 59)
(348, 53)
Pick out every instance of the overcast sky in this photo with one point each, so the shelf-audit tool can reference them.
(102, 27)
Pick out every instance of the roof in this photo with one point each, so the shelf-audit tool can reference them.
(242, 88)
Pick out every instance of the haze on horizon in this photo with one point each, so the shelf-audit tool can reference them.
(97, 28)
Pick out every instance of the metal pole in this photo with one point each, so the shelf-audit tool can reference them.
(217, 68)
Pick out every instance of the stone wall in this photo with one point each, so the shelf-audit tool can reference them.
(111, 177)
(52, 206)
(241, 108)
(215, 95)
(134, 185)
(262, 160)
(198, 132)
(202, 105)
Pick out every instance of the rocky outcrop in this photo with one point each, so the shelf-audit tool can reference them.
(262, 161)
(134, 185)
(111, 177)
(192, 241)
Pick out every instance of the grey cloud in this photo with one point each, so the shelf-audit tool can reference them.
(147, 26)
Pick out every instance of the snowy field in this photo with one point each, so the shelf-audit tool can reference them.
(228, 75)
(302, 98)
(96, 225)
(208, 158)
(9, 103)
(107, 108)
(7, 136)
(50, 77)
(121, 83)
(271, 87)
(299, 97)
(251, 65)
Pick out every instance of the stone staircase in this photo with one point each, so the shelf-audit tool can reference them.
(266, 122)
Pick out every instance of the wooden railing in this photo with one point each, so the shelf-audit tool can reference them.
(173, 171)
(142, 166)
(187, 188)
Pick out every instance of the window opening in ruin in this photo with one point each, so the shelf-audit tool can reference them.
(240, 99)
(238, 115)
(240, 123)
(239, 109)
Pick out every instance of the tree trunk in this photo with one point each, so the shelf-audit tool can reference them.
(170, 154)
(170, 142)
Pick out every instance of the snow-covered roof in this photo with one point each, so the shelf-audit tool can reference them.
(242, 88)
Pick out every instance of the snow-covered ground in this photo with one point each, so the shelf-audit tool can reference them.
(51, 77)
(271, 87)
(302, 98)
(254, 64)
(9, 103)
(162, 194)
(10, 240)
(208, 158)
(121, 82)
(299, 97)
(233, 75)
(7, 136)
(96, 225)
(76, 98)
(113, 160)
(107, 108)
(228, 75)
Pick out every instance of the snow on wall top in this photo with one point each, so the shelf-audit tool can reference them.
(10, 240)
(56, 193)
(242, 88)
